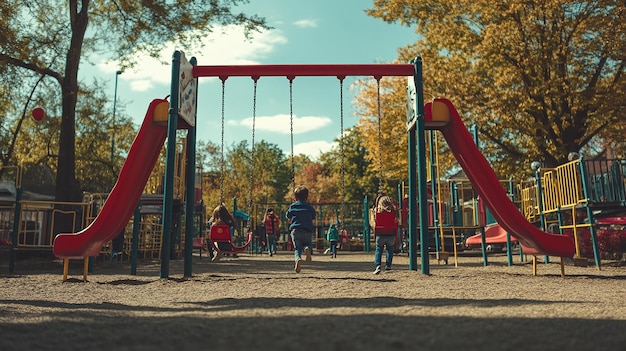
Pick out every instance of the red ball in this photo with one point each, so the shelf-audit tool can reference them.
(38, 114)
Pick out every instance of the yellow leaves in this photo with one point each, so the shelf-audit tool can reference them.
(542, 70)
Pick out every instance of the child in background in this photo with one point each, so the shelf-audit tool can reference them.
(271, 223)
(333, 238)
(301, 215)
(384, 240)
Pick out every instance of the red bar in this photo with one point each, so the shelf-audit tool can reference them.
(290, 71)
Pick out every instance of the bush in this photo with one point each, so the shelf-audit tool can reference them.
(611, 241)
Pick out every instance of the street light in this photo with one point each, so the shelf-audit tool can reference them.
(117, 73)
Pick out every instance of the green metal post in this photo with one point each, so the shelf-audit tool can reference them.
(433, 188)
(509, 254)
(168, 193)
(483, 238)
(592, 229)
(366, 226)
(190, 201)
(412, 203)
(542, 216)
(421, 165)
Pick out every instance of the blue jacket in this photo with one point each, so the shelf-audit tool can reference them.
(301, 214)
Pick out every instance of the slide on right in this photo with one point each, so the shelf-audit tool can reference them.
(487, 185)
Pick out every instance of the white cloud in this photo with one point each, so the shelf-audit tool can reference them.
(313, 149)
(306, 23)
(281, 123)
(140, 85)
(225, 46)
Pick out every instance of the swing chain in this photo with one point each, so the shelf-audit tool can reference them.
(293, 164)
(343, 154)
(222, 145)
(380, 141)
(252, 149)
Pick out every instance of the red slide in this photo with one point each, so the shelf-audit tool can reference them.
(487, 185)
(124, 196)
(494, 234)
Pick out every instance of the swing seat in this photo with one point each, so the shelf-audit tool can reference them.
(222, 241)
(386, 224)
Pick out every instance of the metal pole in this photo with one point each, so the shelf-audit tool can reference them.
(168, 192)
(421, 167)
(190, 203)
(117, 73)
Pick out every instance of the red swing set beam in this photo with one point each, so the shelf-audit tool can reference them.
(291, 71)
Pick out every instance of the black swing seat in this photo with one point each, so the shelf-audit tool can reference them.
(386, 223)
(222, 241)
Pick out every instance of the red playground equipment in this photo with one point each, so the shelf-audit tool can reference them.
(222, 240)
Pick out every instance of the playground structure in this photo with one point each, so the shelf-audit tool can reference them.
(163, 119)
(566, 199)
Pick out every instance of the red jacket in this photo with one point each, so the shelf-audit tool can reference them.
(271, 224)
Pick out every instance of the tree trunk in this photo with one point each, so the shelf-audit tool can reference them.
(67, 189)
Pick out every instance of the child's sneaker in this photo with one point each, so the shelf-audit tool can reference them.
(387, 268)
(307, 253)
(377, 270)
(298, 266)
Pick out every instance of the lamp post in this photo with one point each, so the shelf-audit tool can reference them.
(117, 73)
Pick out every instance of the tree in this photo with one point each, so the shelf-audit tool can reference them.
(37, 38)
(11, 127)
(387, 139)
(37, 145)
(540, 79)
(360, 175)
(268, 182)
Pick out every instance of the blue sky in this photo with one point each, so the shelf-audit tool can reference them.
(311, 32)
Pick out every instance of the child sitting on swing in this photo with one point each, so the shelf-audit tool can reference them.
(221, 216)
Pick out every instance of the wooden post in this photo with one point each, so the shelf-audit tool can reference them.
(66, 267)
(85, 268)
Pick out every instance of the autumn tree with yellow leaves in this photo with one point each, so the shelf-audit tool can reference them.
(539, 79)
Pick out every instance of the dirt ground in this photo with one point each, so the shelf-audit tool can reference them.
(256, 302)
